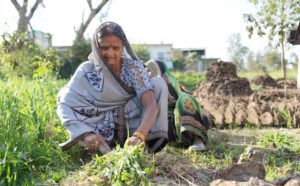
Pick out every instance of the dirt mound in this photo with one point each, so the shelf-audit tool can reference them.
(229, 99)
(222, 80)
(221, 70)
(265, 81)
(271, 108)
(290, 84)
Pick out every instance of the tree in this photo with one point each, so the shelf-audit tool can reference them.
(274, 19)
(255, 62)
(271, 60)
(84, 25)
(142, 52)
(177, 59)
(24, 15)
(237, 51)
(191, 58)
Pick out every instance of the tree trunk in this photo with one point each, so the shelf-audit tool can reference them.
(283, 67)
(24, 19)
(298, 74)
(84, 25)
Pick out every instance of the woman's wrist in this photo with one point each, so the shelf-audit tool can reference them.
(140, 135)
(84, 135)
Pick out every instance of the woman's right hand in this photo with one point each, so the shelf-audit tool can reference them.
(95, 142)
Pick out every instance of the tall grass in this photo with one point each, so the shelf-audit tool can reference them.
(29, 132)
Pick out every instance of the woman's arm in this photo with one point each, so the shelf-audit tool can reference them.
(151, 110)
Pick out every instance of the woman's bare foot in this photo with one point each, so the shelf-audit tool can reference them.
(198, 145)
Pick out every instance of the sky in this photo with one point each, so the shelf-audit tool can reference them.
(204, 24)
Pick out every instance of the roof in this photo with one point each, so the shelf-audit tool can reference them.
(188, 49)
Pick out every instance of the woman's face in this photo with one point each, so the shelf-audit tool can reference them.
(111, 48)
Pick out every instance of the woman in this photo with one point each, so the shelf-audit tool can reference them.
(110, 98)
(188, 122)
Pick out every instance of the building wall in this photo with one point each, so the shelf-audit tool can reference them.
(43, 40)
(160, 52)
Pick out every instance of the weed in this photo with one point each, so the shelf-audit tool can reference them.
(278, 141)
(286, 115)
(128, 166)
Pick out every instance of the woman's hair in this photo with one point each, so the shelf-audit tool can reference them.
(111, 28)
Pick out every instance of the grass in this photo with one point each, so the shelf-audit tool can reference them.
(290, 73)
(190, 80)
(30, 133)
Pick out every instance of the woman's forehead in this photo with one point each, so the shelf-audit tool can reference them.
(110, 40)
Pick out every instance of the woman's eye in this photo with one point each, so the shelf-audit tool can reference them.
(104, 47)
(116, 47)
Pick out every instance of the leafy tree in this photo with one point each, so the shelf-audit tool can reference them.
(20, 56)
(254, 62)
(274, 19)
(237, 51)
(142, 52)
(25, 15)
(73, 57)
(272, 60)
(191, 58)
(178, 59)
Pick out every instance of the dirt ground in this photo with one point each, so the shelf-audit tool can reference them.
(246, 136)
(174, 169)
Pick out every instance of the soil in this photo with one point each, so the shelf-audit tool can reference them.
(229, 99)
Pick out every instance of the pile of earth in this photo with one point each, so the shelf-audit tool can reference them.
(229, 100)
(222, 80)
(266, 81)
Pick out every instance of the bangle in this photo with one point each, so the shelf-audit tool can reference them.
(139, 135)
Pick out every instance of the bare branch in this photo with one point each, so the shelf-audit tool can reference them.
(90, 4)
(84, 25)
(25, 3)
(16, 4)
(100, 6)
(33, 9)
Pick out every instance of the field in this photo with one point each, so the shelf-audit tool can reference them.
(31, 131)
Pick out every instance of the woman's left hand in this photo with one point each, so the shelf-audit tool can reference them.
(133, 140)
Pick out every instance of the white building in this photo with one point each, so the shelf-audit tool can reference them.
(42, 39)
(160, 52)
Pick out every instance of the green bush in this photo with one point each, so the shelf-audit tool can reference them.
(72, 58)
(190, 80)
(20, 57)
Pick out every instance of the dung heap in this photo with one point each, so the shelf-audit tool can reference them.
(265, 81)
(222, 80)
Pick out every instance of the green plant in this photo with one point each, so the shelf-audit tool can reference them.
(142, 52)
(20, 57)
(122, 166)
(73, 57)
(30, 132)
(288, 120)
(190, 80)
(277, 140)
